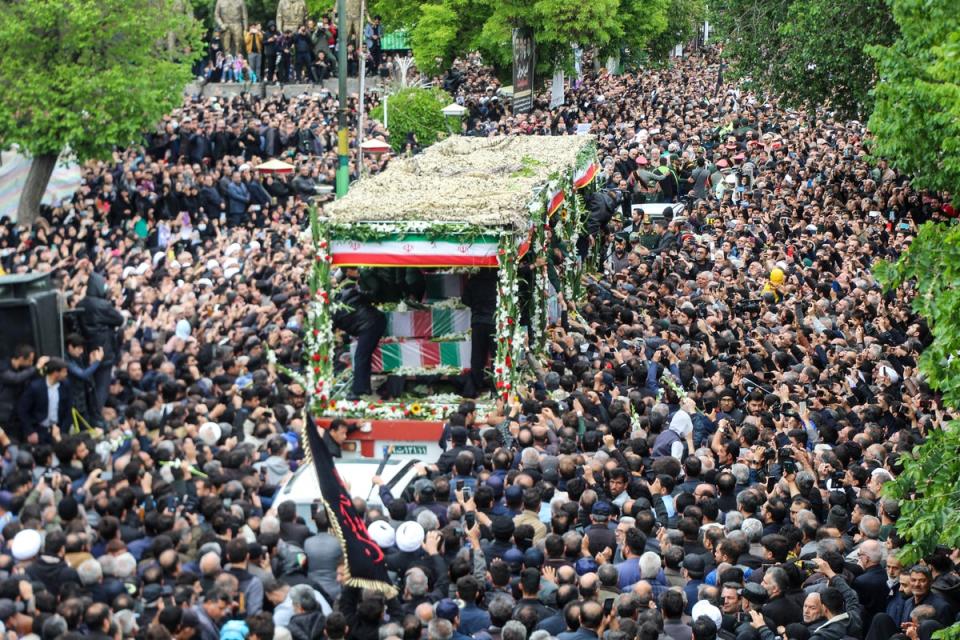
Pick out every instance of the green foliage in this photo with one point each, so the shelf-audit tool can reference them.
(809, 52)
(683, 17)
(445, 29)
(916, 121)
(929, 487)
(415, 110)
(434, 39)
(261, 11)
(90, 74)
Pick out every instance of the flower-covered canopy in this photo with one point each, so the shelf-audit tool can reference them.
(477, 181)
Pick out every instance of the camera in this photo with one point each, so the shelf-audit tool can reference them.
(747, 306)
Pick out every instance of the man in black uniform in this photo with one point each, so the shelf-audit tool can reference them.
(480, 294)
(357, 317)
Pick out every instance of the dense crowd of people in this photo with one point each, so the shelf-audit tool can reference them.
(304, 53)
(703, 458)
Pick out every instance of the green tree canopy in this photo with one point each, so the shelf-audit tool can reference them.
(415, 110)
(89, 74)
(444, 29)
(808, 52)
(929, 487)
(916, 121)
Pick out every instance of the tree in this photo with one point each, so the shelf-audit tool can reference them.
(415, 110)
(441, 30)
(916, 121)
(683, 19)
(86, 75)
(929, 486)
(810, 53)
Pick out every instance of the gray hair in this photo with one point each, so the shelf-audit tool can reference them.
(805, 481)
(501, 607)
(124, 565)
(417, 582)
(90, 572)
(302, 596)
(873, 550)
(649, 565)
(390, 629)
(513, 630)
(741, 472)
(127, 621)
(542, 634)
(54, 626)
(439, 629)
(733, 521)
(870, 527)
(753, 528)
(270, 524)
(428, 520)
(530, 457)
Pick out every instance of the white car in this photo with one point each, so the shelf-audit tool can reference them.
(303, 489)
(655, 209)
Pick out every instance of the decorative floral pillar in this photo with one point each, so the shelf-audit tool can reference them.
(319, 337)
(540, 286)
(510, 338)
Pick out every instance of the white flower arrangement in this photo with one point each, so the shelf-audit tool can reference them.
(474, 180)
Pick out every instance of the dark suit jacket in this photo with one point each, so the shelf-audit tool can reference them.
(33, 406)
(782, 611)
(871, 588)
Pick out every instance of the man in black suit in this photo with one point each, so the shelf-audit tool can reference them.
(45, 403)
(871, 585)
(15, 375)
(779, 609)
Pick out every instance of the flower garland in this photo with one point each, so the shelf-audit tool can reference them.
(667, 380)
(439, 370)
(319, 336)
(506, 362)
(382, 231)
(436, 407)
(538, 303)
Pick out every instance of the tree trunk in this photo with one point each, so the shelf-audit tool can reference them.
(41, 168)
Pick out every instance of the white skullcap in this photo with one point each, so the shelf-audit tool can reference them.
(26, 545)
(382, 533)
(210, 433)
(183, 329)
(409, 536)
(890, 373)
(704, 608)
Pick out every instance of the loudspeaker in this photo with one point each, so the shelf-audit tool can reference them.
(30, 314)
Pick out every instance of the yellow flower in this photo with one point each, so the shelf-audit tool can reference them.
(415, 408)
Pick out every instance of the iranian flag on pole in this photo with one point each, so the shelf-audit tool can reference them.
(585, 176)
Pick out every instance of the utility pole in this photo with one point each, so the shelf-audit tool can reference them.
(362, 45)
(343, 150)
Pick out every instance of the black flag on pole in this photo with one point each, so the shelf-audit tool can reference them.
(365, 566)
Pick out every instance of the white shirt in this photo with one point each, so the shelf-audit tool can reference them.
(53, 404)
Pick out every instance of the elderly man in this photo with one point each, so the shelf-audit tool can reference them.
(871, 585)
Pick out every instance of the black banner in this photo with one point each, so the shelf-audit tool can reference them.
(524, 60)
(365, 566)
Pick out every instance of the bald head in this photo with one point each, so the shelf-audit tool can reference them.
(643, 590)
(210, 564)
(591, 615)
(566, 575)
(424, 612)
